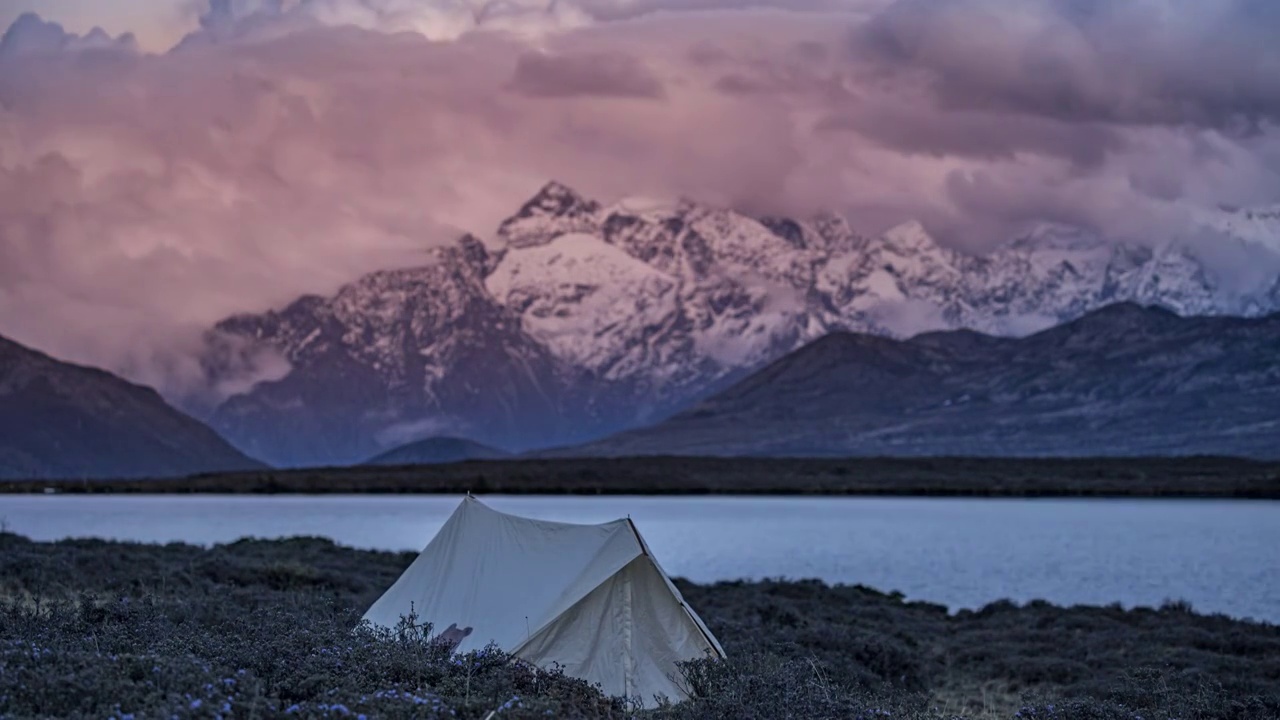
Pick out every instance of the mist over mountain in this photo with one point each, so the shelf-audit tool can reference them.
(580, 319)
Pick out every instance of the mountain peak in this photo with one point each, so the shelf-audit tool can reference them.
(438, 450)
(556, 198)
(555, 210)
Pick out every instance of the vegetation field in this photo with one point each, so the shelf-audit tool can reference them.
(1106, 477)
(266, 629)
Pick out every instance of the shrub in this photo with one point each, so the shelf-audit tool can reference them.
(225, 655)
(265, 629)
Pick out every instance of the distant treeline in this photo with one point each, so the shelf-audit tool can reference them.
(1189, 477)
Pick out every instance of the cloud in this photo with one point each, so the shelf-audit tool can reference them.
(449, 19)
(602, 74)
(287, 146)
(978, 134)
(30, 35)
(1127, 118)
(434, 19)
(1209, 64)
(144, 199)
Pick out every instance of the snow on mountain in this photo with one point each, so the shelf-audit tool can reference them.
(590, 303)
(905, 268)
(590, 317)
(708, 291)
(1173, 278)
(396, 356)
(1257, 226)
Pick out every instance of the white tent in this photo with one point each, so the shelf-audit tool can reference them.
(589, 597)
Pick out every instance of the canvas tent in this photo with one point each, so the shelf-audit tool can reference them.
(589, 597)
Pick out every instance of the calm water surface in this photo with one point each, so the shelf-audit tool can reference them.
(1222, 556)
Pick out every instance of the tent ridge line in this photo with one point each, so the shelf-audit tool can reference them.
(538, 521)
(644, 549)
(684, 605)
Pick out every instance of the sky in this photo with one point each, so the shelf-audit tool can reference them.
(198, 158)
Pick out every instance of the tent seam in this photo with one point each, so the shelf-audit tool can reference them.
(688, 611)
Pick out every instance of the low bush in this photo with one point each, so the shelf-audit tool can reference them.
(263, 629)
(226, 656)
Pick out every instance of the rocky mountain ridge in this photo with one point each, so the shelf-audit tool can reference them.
(1124, 380)
(65, 421)
(581, 318)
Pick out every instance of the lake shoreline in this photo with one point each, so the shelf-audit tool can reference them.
(199, 615)
(685, 583)
(1199, 478)
(956, 552)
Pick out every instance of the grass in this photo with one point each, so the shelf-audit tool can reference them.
(265, 629)
(1200, 477)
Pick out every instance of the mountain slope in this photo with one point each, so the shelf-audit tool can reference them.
(59, 420)
(438, 450)
(582, 318)
(1123, 380)
(393, 357)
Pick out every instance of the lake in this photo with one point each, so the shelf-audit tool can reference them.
(1222, 556)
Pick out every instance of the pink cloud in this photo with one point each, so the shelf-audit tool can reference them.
(289, 147)
(602, 74)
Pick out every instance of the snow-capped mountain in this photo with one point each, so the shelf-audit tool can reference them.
(394, 357)
(585, 318)
(663, 299)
